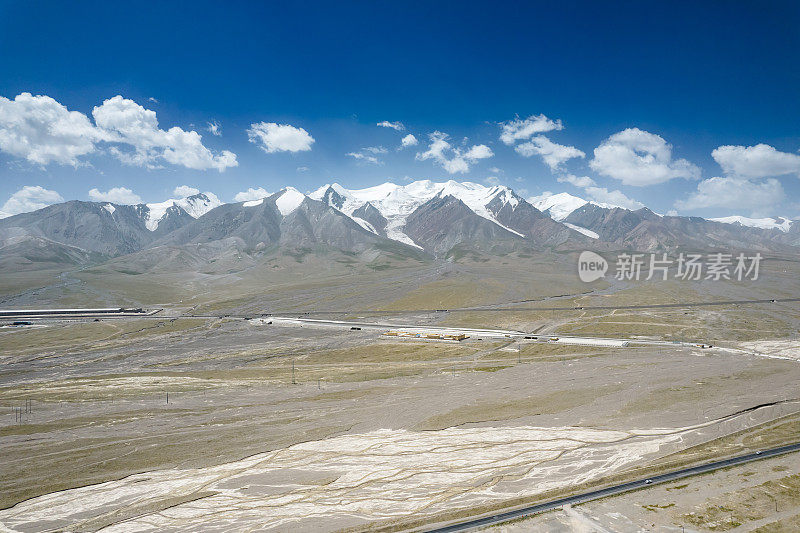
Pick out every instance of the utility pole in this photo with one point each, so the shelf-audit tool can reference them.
(294, 382)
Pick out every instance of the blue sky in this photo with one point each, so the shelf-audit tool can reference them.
(656, 88)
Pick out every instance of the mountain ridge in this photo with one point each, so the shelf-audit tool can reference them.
(422, 216)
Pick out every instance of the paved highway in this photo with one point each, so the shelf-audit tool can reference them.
(473, 332)
(303, 320)
(616, 489)
(282, 320)
(505, 308)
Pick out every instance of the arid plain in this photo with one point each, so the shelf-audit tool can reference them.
(294, 426)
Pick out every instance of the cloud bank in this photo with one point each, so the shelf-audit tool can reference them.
(451, 158)
(115, 195)
(758, 197)
(553, 154)
(29, 198)
(251, 194)
(756, 161)
(639, 158)
(394, 125)
(522, 129)
(272, 137)
(42, 131)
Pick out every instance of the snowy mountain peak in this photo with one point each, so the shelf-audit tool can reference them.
(198, 205)
(289, 200)
(338, 188)
(396, 202)
(333, 195)
(505, 196)
(559, 206)
(195, 206)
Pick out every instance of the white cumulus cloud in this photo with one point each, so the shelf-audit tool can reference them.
(408, 140)
(758, 196)
(453, 159)
(600, 194)
(553, 154)
(369, 154)
(42, 131)
(366, 158)
(581, 182)
(639, 158)
(478, 151)
(214, 128)
(618, 198)
(522, 129)
(115, 195)
(757, 161)
(272, 137)
(29, 198)
(394, 125)
(251, 194)
(182, 191)
(133, 125)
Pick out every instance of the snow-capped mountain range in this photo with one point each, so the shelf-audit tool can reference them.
(396, 202)
(195, 206)
(384, 210)
(560, 205)
(433, 217)
(781, 223)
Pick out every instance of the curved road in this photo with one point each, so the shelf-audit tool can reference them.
(616, 489)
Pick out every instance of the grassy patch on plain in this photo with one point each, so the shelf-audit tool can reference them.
(504, 410)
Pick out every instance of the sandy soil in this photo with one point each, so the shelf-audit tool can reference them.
(787, 348)
(347, 480)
